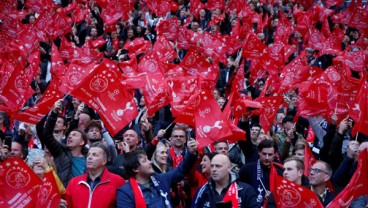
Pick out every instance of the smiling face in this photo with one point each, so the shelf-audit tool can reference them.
(206, 165)
(161, 155)
(178, 138)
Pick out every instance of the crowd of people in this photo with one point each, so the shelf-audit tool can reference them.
(156, 161)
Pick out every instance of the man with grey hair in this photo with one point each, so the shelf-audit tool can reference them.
(97, 187)
(319, 174)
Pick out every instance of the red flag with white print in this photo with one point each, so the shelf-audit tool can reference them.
(49, 194)
(74, 75)
(61, 25)
(182, 88)
(169, 28)
(214, 47)
(173, 70)
(270, 105)
(210, 123)
(19, 185)
(357, 185)
(102, 90)
(292, 195)
(195, 64)
(359, 111)
(184, 38)
(129, 67)
(155, 92)
(17, 90)
(35, 113)
(317, 97)
(164, 49)
(253, 47)
(283, 29)
(151, 63)
(58, 67)
(137, 46)
(159, 7)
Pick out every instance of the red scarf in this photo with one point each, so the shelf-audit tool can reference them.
(138, 195)
(176, 159)
(232, 195)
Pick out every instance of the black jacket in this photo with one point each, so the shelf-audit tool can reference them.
(205, 196)
(62, 155)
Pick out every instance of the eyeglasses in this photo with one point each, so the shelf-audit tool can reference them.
(178, 136)
(316, 170)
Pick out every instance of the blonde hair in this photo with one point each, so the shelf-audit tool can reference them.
(153, 159)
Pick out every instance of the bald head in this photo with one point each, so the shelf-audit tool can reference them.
(220, 168)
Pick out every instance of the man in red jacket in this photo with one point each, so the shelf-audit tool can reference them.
(97, 187)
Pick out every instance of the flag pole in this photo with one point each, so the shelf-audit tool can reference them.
(356, 136)
(169, 126)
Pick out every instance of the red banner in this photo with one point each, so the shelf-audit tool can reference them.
(19, 185)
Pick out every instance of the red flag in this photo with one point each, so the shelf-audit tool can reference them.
(102, 91)
(309, 159)
(19, 185)
(184, 38)
(310, 136)
(136, 81)
(215, 4)
(187, 114)
(17, 91)
(316, 39)
(168, 28)
(241, 105)
(347, 88)
(283, 29)
(137, 46)
(253, 47)
(182, 88)
(57, 64)
(359, 112)
(35, 113)
(41, 24)
(330, 3)
(60, 24)
(296, 72)
(129, 67)
(317, 97)
(174, 70)
(357, 185)
(155, 92)
(49, 195)
(164, 49)
(39, 5)
(98, 42)
(114, 10)
(196, 6)
(288, 194)
(270, 105)
(214, 47)
(210, 123)
(151, 63)
(159, 7)
(196, 64)
(74, 75)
